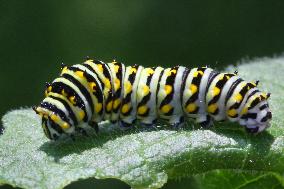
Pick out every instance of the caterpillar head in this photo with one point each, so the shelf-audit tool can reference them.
(54, 123)
(256, 114)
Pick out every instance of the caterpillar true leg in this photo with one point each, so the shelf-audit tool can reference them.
(205, 123)
(123, 125)
(94, 125)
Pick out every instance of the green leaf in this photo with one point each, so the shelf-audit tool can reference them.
(224, 179)
(147, 159)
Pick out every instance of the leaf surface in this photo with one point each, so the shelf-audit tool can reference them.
(147, 159)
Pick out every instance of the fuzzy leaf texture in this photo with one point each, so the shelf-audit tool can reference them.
(147, 159)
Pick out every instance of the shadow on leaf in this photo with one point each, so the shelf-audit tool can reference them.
(256, 144)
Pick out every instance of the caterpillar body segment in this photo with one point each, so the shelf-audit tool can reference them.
(169, 95)
(94, 91)
(147, 95)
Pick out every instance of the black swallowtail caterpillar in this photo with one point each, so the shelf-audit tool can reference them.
(94, 91)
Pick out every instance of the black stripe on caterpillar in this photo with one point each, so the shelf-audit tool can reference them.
(95, 91)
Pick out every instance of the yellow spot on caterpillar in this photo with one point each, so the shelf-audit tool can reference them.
(215, 91)
(109, 106)
(125, 108)
(79, 74)
(191, 107)
(64, 93)
(116, 68)
(244, 110)
(142, 109)
(168, 72)
(81, 115)
(261, 97)
(64, 69)
(98, 107)
(37, 110)
(174, 71)
(212, 108)
(107, 83)
(49, 88)
(100, 67)
(89, 61)
(72, 99)
(265, 95)
(193, 88)
(221, 77)
(166, 108)
(243, 85)
(92, 85)
(150, 71)
(168, 89)
(133, 70)
(146, 90)
(232, 112)
(54, 118)
(116, 103)
(127, 87)
(195, 74)
(116, 84)
(238, 97)
(65, 126)
(253, 85)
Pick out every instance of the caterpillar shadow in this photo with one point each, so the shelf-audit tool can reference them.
(259, 143)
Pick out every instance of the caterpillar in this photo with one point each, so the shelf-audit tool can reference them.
(94, 91)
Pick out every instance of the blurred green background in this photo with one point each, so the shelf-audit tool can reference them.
(36, 36)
